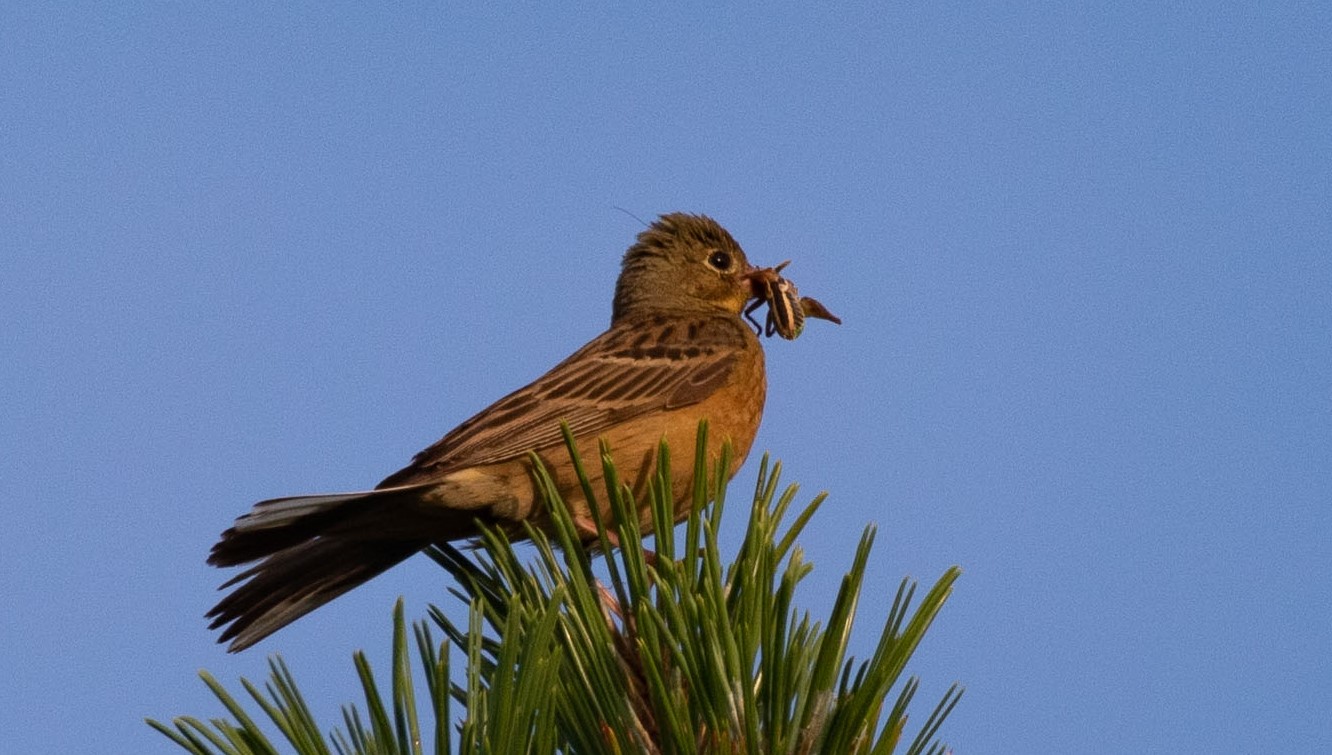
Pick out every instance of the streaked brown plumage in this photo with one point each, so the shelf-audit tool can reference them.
(677, 351)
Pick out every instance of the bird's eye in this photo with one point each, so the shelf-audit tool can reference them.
(720, 261)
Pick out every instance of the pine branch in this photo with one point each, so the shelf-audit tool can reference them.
(672, 651)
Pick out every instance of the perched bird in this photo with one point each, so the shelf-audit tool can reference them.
(677, 352)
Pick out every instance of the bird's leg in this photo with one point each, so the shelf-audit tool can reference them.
(609, 601)
(586, 529)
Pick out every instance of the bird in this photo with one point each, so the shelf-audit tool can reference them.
(677, 351)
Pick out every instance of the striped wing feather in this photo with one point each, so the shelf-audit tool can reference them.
(629, 370)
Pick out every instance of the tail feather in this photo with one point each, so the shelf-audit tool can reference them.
(295, 581)
(281, 523)
(311, 549)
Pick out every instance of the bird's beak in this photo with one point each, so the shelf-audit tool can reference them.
(753, 281)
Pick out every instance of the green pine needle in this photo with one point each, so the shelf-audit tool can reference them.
(681, 652)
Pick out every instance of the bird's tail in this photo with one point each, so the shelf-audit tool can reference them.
(310, 550)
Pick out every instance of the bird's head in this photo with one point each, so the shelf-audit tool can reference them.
(684, 264)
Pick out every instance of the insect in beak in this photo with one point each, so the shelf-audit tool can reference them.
(786, 308)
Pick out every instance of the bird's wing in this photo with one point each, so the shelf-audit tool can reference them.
(652, 365)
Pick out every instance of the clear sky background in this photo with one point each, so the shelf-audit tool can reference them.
(1083, 255)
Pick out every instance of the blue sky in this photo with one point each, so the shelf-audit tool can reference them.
(1083, 256)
